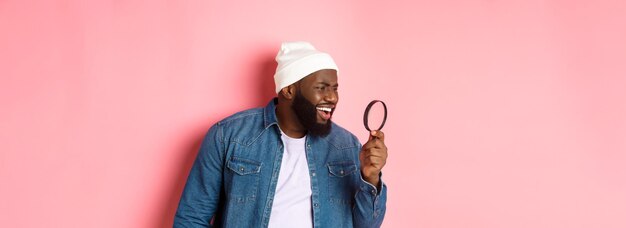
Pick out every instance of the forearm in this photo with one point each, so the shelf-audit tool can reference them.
(370, 205)
(201, 195)
(197, 205)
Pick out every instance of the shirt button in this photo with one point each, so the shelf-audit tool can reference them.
(242, 169)
(341, 172)
(315, 205)
(374, 192)
(312, 174)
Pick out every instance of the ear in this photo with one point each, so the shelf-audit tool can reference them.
(289, 92)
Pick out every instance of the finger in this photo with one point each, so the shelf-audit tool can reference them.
(374, 144)
(375, 153)
(373, 159)
(374, 150)
(369, 145)
(378, 135)
(375, 162)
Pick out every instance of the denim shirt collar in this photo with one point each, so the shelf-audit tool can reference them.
(269, 113)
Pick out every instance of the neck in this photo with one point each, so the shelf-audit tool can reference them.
(288, 121)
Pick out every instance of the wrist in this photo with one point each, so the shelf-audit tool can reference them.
(372, 179)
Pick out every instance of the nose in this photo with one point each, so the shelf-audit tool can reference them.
(331, 96)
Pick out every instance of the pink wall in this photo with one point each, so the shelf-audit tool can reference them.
(502, 113)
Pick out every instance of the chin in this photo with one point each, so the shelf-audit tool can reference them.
(323, 121)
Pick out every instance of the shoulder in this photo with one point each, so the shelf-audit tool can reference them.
(242, 116)
(242, 127)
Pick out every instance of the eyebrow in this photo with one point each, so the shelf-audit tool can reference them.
(327, 84)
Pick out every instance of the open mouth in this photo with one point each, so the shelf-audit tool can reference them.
(325, 112)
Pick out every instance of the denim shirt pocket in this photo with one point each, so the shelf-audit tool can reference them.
(245, 179)
(340, 178)
(244, 166)
(341, 168)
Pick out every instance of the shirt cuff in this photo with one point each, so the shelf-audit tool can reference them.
(368, 187)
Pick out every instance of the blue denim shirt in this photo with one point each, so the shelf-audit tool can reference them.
(233, 179)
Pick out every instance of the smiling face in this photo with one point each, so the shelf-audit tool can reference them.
(315, 101)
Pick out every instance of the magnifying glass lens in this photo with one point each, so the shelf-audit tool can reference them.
(375, 115)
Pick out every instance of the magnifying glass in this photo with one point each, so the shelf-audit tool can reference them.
(375, 115)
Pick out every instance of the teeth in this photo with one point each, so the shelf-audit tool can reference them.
(324, 109)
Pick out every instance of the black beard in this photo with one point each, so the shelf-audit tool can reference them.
(307, 114)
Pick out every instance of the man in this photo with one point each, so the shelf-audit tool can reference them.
(288, 164)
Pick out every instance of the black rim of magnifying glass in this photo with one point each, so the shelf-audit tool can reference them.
(367, 113)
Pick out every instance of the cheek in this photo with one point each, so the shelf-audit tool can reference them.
(316, 98)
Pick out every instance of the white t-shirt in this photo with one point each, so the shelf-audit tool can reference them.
(292, 201)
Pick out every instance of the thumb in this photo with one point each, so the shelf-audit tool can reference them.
(372, 135)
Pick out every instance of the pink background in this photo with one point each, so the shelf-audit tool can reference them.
(502, 113)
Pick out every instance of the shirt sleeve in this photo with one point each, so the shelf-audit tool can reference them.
(201, 194)
(370, 204)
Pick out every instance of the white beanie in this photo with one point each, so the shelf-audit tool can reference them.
(296, 60)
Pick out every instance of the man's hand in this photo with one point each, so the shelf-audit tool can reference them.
(373, 157)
